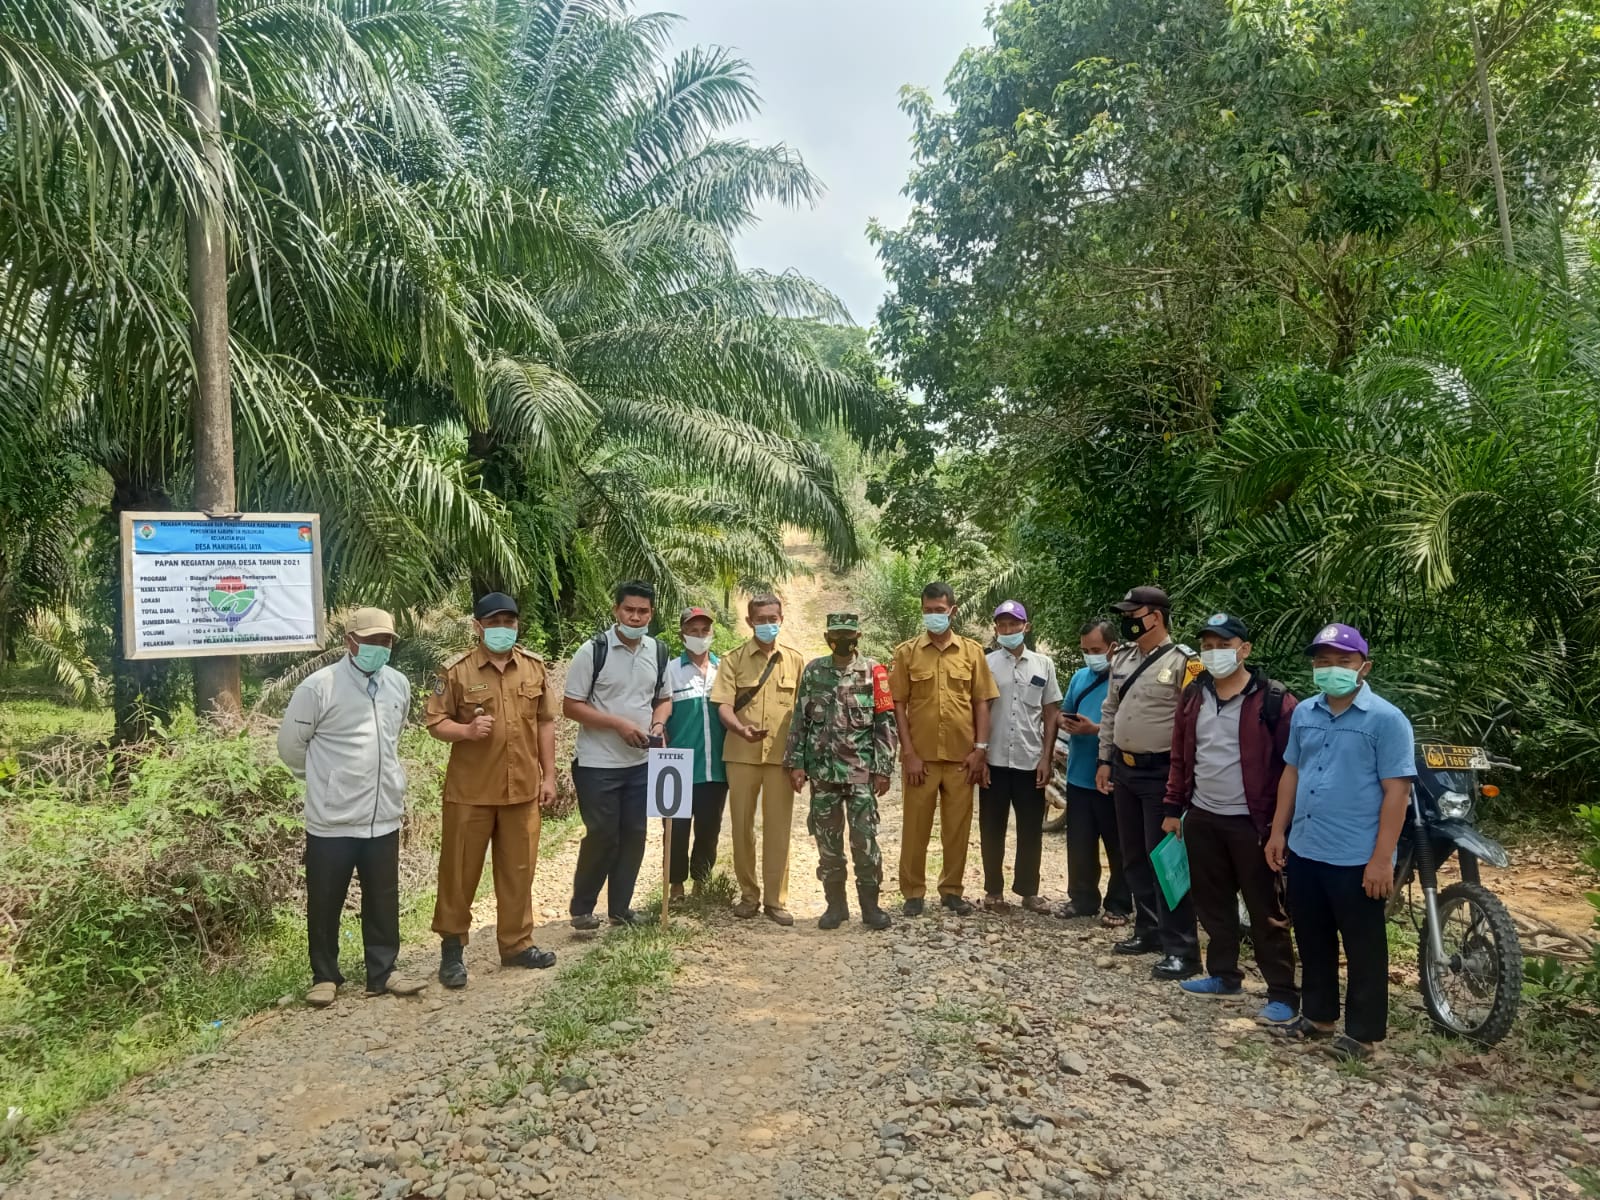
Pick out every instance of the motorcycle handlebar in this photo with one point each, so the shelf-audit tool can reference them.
(1504, 763)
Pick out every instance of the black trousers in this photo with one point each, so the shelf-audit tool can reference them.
(611, 802)
(1091, 823)
(1010, 788)
(706, 807)
(1226, 859)
(1328, 905)
(1138, 792)
(330, 861)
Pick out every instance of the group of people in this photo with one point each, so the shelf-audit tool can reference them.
(1295, 806)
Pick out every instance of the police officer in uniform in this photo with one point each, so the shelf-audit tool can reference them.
(1148, 675)
(842, 739)
(494, 705)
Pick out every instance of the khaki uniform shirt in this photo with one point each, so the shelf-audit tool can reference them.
(936, 688)
(1141, 721)
(772, 707)
(503, 768)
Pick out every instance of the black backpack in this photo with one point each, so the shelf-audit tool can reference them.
(600, 644)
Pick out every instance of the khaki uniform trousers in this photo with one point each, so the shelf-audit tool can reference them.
(511, 833)
(766, 785)
(944, 787)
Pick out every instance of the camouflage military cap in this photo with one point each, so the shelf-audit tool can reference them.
(844, 622)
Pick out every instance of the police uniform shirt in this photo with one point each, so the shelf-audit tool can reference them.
(502, 768)
(1027, 683)
(1140, 721)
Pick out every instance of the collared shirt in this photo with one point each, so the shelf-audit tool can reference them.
(626, 688)
(502, 768)
(1027, 684)
(773, 705)
(936, 686)
(1140, 722)
(693, 725)
(1086, 693)
(1218, 772)
(1343, 760)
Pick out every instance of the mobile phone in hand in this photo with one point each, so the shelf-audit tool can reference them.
(658, 740)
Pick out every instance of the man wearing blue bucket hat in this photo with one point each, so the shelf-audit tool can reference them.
(1341, 804)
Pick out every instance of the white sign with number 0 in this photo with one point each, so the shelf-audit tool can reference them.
(669, 790)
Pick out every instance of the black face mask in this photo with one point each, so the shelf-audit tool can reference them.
(1134, 628)
(843, 646)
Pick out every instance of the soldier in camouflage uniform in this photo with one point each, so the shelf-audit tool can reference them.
(842, 740)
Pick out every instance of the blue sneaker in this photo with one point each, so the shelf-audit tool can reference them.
(1210, 986)
(1276, 1013)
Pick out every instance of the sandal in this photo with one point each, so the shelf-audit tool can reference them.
(994, 904)
(1113, 920)
(1036, 904)
(1345, 1048)
(1299, 1030)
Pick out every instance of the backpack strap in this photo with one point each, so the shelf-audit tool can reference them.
(1272, 705)
(600, 649)
(662, 659)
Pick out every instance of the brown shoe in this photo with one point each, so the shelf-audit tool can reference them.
(778, 916)
(400, 985)
(1036, 904)
(677, 892)
(746, 909)
(322, 994)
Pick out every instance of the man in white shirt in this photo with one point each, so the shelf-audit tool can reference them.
(1022, 730)
(341, 734)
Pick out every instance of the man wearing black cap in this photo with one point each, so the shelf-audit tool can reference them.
(1148, 675)
(1222, 793)
(494, 705)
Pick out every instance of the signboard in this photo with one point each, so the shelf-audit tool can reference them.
(1441, 757)
(193, 586)
(669, 786)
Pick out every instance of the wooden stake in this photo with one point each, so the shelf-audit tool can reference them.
(666, 868)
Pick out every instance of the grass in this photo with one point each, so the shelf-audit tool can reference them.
(26, 721)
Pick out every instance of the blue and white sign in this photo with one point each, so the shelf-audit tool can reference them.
(196, 586)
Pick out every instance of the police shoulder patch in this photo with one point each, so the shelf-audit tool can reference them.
(438, 685)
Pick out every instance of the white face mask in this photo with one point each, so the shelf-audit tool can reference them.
(1221, 663)
(696, 645)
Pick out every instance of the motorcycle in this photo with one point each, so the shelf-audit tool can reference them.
(1470, 961)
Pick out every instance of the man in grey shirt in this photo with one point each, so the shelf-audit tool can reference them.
(621, 703)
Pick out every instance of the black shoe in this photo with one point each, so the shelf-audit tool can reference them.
(452, 971)
(629, 917)
(531, 957)
(912, 907)
(872, 916)
(957, 905)
(1173, 967)
(586, 922)
(838, 911)
(1139, 943)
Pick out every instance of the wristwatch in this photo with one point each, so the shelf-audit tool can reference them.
(980, 745)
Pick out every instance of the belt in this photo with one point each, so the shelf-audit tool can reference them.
(1145, 760)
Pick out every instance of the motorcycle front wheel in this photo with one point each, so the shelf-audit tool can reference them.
(1474, 992)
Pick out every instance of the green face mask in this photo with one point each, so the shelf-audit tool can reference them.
(371, 659)
(500, 639)
(1336, 681)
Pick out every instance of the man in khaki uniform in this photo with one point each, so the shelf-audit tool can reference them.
(495, 706)
(754, 694)
(942, 686)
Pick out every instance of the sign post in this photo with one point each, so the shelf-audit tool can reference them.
(668, 793)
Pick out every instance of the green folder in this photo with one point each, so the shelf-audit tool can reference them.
(1171, 863)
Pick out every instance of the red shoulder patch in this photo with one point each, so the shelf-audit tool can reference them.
(882, 701)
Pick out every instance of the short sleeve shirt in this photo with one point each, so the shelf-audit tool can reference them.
(936, 686)
(693, 724)
(1086, 693)
(626, 688)
(1027, 683)
(1342, 761)
(502, 768)
(771, 708)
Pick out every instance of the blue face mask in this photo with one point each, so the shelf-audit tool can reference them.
(936, 623)
(371, 659)
(633, 632)
(1010, 640)
(767, 633)
(499, 639)
(1336, 681)
(1097, 662)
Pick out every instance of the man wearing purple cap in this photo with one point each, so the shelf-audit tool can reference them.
(1349, 762)
(1022, 727)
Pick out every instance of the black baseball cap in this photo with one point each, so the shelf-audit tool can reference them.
(1144, 597)
(1226, 625)
(494, 602)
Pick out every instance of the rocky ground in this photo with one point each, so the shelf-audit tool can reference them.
(996, 1056)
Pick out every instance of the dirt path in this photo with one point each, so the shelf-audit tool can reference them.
(977, 1059)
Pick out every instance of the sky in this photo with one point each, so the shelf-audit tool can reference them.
(829, 73)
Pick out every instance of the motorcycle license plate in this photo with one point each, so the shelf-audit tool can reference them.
(1442, 757)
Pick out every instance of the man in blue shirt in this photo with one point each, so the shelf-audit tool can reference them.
(1347, 780)
(1091, 816)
